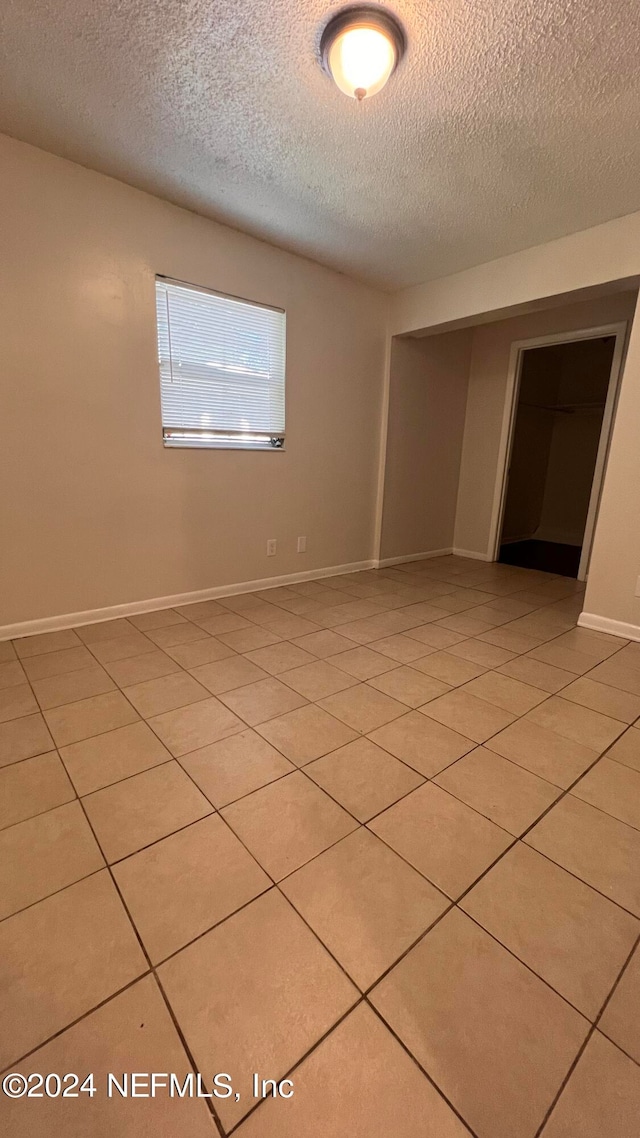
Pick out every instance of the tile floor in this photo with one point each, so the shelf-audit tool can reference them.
(378, 833)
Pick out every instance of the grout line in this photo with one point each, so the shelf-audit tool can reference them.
(358, 825)
(583, 1048)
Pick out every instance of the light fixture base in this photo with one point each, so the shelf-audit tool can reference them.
(372, 16)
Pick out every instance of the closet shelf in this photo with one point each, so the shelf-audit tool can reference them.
(565, 408)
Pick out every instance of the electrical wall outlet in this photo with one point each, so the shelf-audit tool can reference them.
(302, 545)
(271, 547)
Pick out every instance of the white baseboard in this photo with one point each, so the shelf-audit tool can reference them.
(134, 608)
(473, 554)
(385, 562)
(605, 624)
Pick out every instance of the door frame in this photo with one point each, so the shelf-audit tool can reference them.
(619, 330)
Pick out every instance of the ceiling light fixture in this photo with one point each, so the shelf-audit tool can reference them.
(360, 48)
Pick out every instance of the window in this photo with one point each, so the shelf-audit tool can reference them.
(221, 369)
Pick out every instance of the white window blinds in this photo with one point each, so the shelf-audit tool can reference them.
(222, 369)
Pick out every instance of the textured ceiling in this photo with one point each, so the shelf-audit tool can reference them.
(509, 122)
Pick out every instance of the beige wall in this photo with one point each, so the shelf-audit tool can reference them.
(486, 400)
(590, 259)
(427, 399)
(95, 511)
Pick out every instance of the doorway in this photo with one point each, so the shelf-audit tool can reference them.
(564, 392)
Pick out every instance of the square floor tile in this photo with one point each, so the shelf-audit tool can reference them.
(22, 738)
(448, 842)
(105, 630)
(189, 728)
(165, 693)
(352, 1084)
(505, 692)
(254, 995)
(44, 854)
(363, 708)
(140, 810)
(7, 651)
(539, 675)
(365, 903)
(131, 1032)
(594, 846)
(323, 644)
(257, 702)
(474, 717)
(621, 1018)
(236, 766)
(601, 1097)
(72, 686)
(180, 887)
(571, 936)
(507, 795)
(604, 699)
(225, 675)
(425, 745)
(287, 823)
(626, 749)
(225, 622)
(614, 788)
(177, 634)
(493, 1037)
(366, 629)
(200, 610)
(409, 686)
(281, 657)
(433, 636)
(306, 734)
(62, 957)
(488, 655)
(160, 618)
(32, 787)
(401, 648)
(319, 679)
(286, 625)
(543, 752)
(89, 717)
(57, 663)
(137, 669)
(450, 669)
(16, 701)
(621, 671)
(104, 759)
(363, 663)
(46, 642)
(131, 643)
(363, 778)
(202, 651)
(248, 639)
(512, 641)
(578, 723)
(466, 623)
(566, 659)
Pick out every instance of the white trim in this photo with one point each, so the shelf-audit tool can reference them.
(382, 451)
(603, 449)
(619, 330)
(473, 554)
(606, 624)
(134, 608)
(386, 561)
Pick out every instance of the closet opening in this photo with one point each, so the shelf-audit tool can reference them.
(564, 395)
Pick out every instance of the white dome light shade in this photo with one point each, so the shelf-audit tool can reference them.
(360, 48)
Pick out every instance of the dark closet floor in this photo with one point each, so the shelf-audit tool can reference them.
(549, 556)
